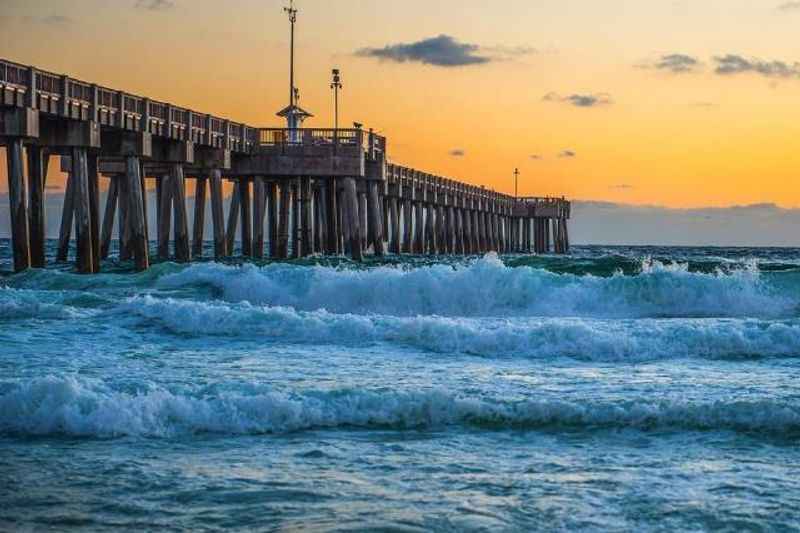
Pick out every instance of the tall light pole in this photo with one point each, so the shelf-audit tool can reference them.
(292, 12)
(336, 85)
(516, 183)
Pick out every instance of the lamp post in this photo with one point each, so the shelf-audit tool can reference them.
(336, 84)
(516, 183)
(292, 12)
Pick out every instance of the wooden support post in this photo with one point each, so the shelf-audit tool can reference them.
(108, 217)
(306, 220)
(259, 210)
(283, 221)
(352, 231)
(136, 214)
(18, 198)
(158, 208)
(467, 223)
(419, 228)
(430, 229)
(459, 216)
(144, 207)
(332, 219)
(375, 222)
(394, 221)
(94, 208)
(83, 218)
(183, 253)
(408, 226)
(122, 220)
(296, 220)
(245, 207)
(362, 218)
(272, 200)
(319, 219)
(233, 220)
(566, 236)
(199, 222)
(165, 215)
(37, 175)
(217, 214)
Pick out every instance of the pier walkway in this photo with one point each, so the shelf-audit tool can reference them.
(301, 191)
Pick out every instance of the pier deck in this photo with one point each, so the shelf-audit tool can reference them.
(304, 191)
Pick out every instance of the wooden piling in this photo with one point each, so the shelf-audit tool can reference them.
(93, 177)
(283, 221)
(37, 175)
(233, 220)
(259, 211)
(350, 219)
(362, 218)
(183, 253)
(306, 221)
(408, 226)
(430, 229)
(83, 219)
(394, 222)
(108, 217)
(67, 214)
(217, 214)
(296, 220)
(332, 218)
(17, 195)
(246, 215)
(419, 228)
(199, 221)
(165, 215)
(374, 222)
(136, 214)
(272, 201)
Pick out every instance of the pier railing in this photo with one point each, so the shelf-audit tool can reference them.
(71, 98)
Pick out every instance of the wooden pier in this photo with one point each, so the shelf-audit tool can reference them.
(301, 191)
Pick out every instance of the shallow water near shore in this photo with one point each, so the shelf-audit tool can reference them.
(619, 388)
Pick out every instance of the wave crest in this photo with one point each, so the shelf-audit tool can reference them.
(69, 406)
(487, 287)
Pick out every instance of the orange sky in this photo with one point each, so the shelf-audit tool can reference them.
(654, 135)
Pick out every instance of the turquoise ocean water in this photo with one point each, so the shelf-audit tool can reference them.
(618, 389)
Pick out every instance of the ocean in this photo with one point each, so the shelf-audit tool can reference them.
(616, 389)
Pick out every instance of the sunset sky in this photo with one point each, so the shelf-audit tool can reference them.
(681, 103)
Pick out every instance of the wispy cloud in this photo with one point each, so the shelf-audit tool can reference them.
(732, 64)
(457, 152)
(536, 157)
(443, 51)
(674, 63)
(155, 5)
(622, 187)
(580, 100)
(789, 6)
(567, 154)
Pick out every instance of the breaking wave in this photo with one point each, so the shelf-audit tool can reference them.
(489, 288)
(79, 407)
(546, 338)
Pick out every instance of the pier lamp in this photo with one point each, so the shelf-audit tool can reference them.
(336, 84)
(516, 183)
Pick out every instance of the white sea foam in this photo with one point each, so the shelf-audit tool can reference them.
(547, 338)
(487, 287)
(20, 304)
(72, 406)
